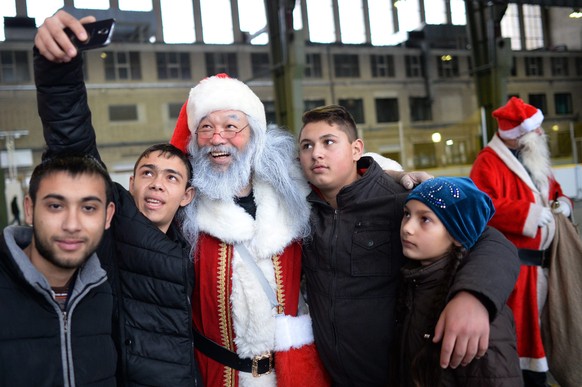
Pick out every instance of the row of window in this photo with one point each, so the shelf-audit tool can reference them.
(121, 65)
(387, 109)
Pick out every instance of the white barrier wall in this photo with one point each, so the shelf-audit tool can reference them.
(570, 178)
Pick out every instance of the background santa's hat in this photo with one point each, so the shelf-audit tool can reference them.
(219, 92)
(517, 118)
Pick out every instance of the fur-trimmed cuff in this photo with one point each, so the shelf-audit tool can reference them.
(292, 332)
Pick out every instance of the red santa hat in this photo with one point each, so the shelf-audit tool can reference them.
(218, 92)
(517, 118)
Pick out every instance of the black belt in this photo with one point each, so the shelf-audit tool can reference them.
(258, 365)
(532, 257)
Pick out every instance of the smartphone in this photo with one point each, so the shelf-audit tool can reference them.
(99, 34)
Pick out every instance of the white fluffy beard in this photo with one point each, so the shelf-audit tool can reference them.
(218, 184)
(535, 156)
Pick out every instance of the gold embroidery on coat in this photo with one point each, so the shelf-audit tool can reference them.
(224, 316)
(279, 281)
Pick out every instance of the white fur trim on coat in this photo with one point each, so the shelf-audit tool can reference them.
(268, 234)
(292, 332)
(531, 224)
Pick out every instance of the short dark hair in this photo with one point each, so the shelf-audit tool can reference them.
(332, 114)
(168, 151)
(73, 165)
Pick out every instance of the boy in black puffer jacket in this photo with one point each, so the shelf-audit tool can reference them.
(146, 258)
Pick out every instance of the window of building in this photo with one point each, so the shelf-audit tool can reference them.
(382, 66)
(221, 62)
(579, 66)
(173, 65)
(356, 107)
(409, 17)
(218, 25)
(510, 26)
(435, 12)
(447, 66)
(560, 66)
(322, 26)
(15, 68)
(260, 64)
(534, 66)
(351, 21)
(413, 66)
(122, 65)
(539, 101)
(381, 22)
(174, 110)
(346, 65)
(312, 66)
(313, 103)
(420, 109)
(527, 19)
(270, 112)
(455, 152)
(122, 113)
(387, 110)
(563, 103)
(458, 15)
(532, 22)
(425, 155)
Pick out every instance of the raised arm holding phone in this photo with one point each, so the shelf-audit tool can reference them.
(145, 256)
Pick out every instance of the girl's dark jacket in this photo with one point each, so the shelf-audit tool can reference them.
(151, 273)
(422, 295)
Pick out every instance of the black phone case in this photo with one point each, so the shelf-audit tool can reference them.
(99, 34)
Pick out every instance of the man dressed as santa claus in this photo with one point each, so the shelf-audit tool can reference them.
(245, 226)
(515, 170)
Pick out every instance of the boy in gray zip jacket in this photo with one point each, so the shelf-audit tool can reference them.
(55, 300)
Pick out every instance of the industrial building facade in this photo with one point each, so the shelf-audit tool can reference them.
(415, 102)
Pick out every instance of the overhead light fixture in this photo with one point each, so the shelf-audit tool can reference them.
(576, 13)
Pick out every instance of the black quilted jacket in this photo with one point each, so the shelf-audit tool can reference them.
(151, 272)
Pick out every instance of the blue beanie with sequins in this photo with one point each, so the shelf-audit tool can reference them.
(463, 208)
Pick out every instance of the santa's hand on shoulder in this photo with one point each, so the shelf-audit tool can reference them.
(545, 217)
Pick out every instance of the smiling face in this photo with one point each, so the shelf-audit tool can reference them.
(328, 158)
(68, 217)
(218, 147)
(424, 237)
(159, 187)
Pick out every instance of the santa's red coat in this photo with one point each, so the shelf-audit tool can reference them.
(229, 305)
(518, 206)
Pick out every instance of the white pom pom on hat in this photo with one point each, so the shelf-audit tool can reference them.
(517, 118)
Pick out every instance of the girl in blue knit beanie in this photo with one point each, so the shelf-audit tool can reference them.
(443, 219)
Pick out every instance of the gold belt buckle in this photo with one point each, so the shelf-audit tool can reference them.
(255, 367)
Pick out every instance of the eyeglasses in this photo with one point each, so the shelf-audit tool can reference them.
(210, 132)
